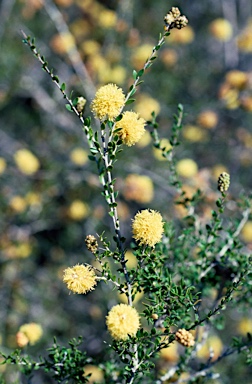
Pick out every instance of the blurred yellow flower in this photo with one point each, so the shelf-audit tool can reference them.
(96, 374)
(107, 18)
(246, 232)
(221, 29)
(237, 79)
(132, 128)
(116, 74)
(80, 278)
(20, 250)
(164, 143)
(18, 204)
(245, 326)
(145, 105)
(246, 103)
(194, 133)
(79, 156)
(138, 188)
(62, 43)
(207, 119)
(182, 36)
(169, 57)
(33, 198)
(78, 210)
(170, 353)
(108, 102)
(131, 259)
(244, 40)
(148, 227)
(230, 96)
(123, 297)
(90, 47)
(2, 165)
(30, 332)
(187, 168)
(145, 140)
(140, 55)
(217, 170)
(26, 162)
(64, 3)
(122, 320)
(213, 344)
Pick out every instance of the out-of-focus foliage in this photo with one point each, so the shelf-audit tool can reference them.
(50, 192)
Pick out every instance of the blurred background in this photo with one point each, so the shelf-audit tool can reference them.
(50, 193)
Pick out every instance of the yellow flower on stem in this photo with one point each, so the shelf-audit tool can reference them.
(132, 128)
(147, 227)
(80, 278)
(108, 102)
(122, 321)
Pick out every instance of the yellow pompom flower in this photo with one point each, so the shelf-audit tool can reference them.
(132, 128)
(80, 278)
(79, 156)
(138, 188)
(26, 162)
(108, 102)
(147, 227)
(30, 332)
(187, 168)
(122, 321)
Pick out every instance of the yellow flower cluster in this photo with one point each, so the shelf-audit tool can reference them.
(122, 321)
(185, 338)
(108, 102)
(80, 278)
(147, 227)
(29, 333)
(132, 128)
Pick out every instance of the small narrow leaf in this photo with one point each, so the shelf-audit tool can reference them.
(69, 108)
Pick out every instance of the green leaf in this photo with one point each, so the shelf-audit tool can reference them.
(130, 101)
(134, 74)
(69, 108)
(63, 87)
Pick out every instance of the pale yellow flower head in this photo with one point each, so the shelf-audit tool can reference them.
(122, 320)
(26, 162)
(108, 102)
(138, 188)
(80, 278)
(30, 332)
(147, 227)
(132, 128)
